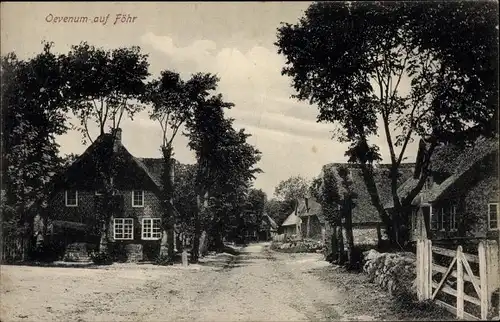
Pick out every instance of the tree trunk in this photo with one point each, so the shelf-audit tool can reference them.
(334, 245)
(103, 244)
(349, 238)
(203, 244)
(167, 247)
(195, 255)
(340, 245)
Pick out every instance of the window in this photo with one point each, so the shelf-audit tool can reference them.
(445, 218)
(151, 228)
(71, 198)
(453, 219)
(137, 198)
(414, 220)
(427, 211)
(492, 216)
(123, 228)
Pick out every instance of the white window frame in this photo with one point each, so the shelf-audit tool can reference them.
(489, 215)
(453, 219)
(152, 221)
(431, 214)
(125, 221)
(443, 226)
(66, 199)
(414, 213)
(133, 199)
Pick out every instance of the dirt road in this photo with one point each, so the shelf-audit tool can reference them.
(258, 285)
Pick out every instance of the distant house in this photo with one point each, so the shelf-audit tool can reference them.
(136, 221)
(460, 197)
(312, 219)
(367, 225)
(291, 226)
(268, 228)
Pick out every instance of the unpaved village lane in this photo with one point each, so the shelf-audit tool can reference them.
(258, 285)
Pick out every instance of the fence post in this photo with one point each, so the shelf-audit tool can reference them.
(483, 278)
(492, 272)
(424, 269)
(420, 279)
(460, 284)
(429, 269)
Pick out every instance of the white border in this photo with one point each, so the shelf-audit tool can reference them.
(489, 216)
(142, 229)
(66, 199)
(137, 206)
(114, 229)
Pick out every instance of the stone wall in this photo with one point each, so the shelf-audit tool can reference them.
(394, 272)
(78, 252)
(134, 252)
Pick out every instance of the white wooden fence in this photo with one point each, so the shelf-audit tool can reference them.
(13, 249)
(484, 284)
(279, 238)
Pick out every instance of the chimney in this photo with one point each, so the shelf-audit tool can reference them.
(117, 138)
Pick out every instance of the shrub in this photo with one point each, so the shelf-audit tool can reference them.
(48, 252)
(101, 258)
(163, 260)
(118, 252)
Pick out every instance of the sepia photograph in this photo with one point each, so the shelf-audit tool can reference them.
(249, 161)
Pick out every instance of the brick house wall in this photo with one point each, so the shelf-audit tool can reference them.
(477, 200)
(470, 194)
(315, 230)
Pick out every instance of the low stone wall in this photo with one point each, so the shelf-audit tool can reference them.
(299, 246)
(394, 272)
(78, 252)
(134, 252)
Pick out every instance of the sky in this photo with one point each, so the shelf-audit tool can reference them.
(233, 40)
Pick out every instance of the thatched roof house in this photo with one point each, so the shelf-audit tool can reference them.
(448, 163)
(364, 213)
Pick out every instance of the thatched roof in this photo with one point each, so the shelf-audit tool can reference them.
(448, 163)
(364, 211)
(313, 209)
(291, 220)
(268, 222)
(98, 149)
(151, 167)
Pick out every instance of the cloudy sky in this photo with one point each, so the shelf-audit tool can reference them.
(233, 40)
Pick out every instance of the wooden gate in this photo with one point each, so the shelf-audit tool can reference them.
(481, 281)
(14, 248)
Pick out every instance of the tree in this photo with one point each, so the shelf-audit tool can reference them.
(225, 164)
(33, 113)
(204, 130)
(172, 102)
(294, 188)
(350, 59)
(185, 197)
(103, 85)
(255, 205)
(279, 210)
(231, 194)
(325, 189)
